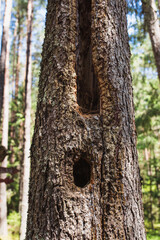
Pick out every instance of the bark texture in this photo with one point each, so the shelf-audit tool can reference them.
(85, 180)
(26, 155)
(152, 20)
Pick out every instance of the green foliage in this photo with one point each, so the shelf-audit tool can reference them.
(153, 234)
(147, 111)
(16, 124)
(13, 225)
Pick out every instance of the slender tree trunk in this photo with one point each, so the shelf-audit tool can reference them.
(3, 192)
(18, 59)
(12, 129)
(85, 181)
(148, 159)
(14, 57)
(14, 136)
(159, 5)
(156, 169)
(152, 19)
(26, 158)
(150, 193)
(6, 24)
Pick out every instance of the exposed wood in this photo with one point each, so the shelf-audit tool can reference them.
(87, 82)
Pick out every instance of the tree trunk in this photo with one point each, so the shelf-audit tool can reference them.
(6, 23)
(150, 194)
(159, 5)
(85, 181)
(152, 21)
(18, 58)
(12, 128)
(26, 159)
(3, 192)
(15, 98)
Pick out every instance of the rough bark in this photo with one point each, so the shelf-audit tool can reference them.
(6, 23)
(152, 20)
(26, 158)
(85, 181)
(3, 192)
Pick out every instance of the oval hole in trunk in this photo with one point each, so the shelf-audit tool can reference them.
(81, 173)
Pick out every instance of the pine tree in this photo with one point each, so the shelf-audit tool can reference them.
(85, 181)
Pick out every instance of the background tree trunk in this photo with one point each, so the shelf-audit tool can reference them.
(6, 24)
(152, 20)
(16, 69)
(3, 192)
(85, 181)
(26, 158)
(159, 5)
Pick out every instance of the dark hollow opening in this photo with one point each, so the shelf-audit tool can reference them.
(87, 84)
(81, 173)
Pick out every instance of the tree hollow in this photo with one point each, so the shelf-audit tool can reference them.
(87, 83)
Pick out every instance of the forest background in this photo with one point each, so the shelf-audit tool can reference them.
(146, 86)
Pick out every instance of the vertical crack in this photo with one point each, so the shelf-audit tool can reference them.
(87, 82)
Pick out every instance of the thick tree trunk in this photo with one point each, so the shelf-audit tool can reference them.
(152, 20)
(26, 158)
(6, 23)
(3, 192)
(85, 181)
